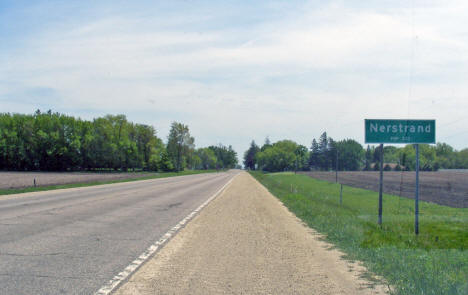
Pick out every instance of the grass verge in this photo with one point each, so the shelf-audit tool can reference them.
(434, 262)
(83, 184)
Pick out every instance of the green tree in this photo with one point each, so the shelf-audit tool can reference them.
(266, 145)
(331, 154)
(104, 148)
(446, 156)
(250, 156)
(165, 163)
(207, 158)
(158, 157)
(314, 155)
(226, 157)
(391, 154)
(179, 145)
(368, 159)
(53, 141)
(302, 156)
(281, 156)
(376, 158)
(350, 155)
(324, 152)
(427, 156)
(461, 161)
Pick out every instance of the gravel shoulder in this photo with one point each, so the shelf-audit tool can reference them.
(247, 242)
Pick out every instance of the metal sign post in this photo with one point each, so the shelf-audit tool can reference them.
(400, 131)
(381, 183)
(416, 197)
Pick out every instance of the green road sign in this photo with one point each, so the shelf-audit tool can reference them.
(399, 131)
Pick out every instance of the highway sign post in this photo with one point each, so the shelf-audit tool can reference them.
(400, 131)
(381, 183)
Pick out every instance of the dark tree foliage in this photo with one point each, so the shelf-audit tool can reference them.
(284, 155)
(376, 155)
(322, 154)
(325, 154)
(56, 142)
(376, 158)
(180, 146)
(314, 155)
(324, 160)
(226, 157)
(331, 154)
(368, 157)
(205, 158)
(266, 145)
(301, 158)
(350, 155)
(250, 156)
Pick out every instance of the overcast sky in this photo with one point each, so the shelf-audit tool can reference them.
(241, 70)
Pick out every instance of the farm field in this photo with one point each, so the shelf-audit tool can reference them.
(18, 180)
(448, 188)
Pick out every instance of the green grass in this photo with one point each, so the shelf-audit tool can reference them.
(83, 184)
(434, 262)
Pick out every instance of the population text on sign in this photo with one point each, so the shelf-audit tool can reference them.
(399, 131)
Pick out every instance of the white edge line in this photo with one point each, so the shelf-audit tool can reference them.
(130, 269)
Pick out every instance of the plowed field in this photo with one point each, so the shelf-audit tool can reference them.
(449, 188)
(9, 180)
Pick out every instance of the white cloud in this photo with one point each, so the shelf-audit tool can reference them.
(317, 69)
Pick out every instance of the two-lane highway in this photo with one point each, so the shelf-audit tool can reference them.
(74, 241)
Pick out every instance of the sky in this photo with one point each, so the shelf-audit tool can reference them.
(237, 71)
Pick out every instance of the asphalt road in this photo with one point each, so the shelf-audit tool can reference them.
(74, 241)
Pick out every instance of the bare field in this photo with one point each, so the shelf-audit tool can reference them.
(15, 180)
(449, 188)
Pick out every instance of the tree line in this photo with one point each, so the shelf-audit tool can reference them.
(327, 154)
(57, 142)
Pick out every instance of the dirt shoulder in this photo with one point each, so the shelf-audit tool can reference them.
(247, 242)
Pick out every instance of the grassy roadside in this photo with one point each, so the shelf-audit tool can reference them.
(435, 262)
(92, 183)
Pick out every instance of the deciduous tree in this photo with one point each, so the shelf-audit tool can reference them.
(179, 145)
